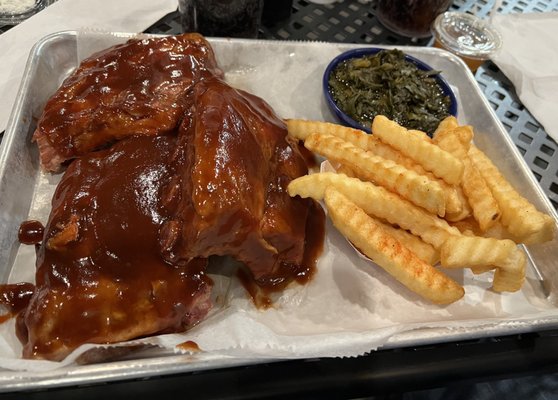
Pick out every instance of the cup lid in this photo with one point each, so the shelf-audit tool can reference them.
(466, 34)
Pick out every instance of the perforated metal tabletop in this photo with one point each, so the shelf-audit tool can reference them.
(355, 22)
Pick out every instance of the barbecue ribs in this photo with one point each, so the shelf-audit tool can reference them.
(141, 87)
(100, 277)
(196, 169)
(229, 194)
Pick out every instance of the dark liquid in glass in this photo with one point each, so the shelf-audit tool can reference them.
(224, 18)
(412, 18)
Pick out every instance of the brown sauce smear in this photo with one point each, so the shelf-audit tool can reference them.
(259, 295)
(189, 346)
(260, 291)
(15, 297)
(31, 232)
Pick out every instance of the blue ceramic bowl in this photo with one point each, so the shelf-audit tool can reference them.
(356, 53)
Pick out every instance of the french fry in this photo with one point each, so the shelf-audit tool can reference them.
(446, 124)
(416, 188)
(346, 170)
(510, 277)
(419, 135)
(388, 252)
(520, 218)
(425, 251)
(379, 202)
(464, 209)
(481, 270)
(441, 163)
(484, 207)
(483, 254)
(472, 251)
(455, 203)
(301, 129)
(463, 133)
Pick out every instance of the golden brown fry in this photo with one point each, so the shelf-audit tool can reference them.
(446, 124)
(346, 170)
(484, 207)
(463, 133)
(510, 277)
(473, 251)
(379, 202)
(483, 254)
(522, 220)
(441, 163)
(419, 135)
(301, 129)
(455, 204)
(457, 207)
(416, 188)
(464, 209)
(425, 251)
(449, 142)
(388, 252)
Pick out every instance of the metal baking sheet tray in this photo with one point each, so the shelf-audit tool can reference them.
(288, 76)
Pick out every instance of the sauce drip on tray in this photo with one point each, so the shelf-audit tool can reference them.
(31, 232)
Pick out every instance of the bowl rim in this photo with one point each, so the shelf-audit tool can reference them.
(361, 52)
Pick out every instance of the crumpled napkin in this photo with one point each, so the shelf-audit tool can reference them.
(107, 15)
(529, 58)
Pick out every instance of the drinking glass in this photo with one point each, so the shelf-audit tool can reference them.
(223, 18)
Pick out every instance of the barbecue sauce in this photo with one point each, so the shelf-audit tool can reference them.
(106, 282)
(235, 161)
(15, 298)
(136, 88)
(189, 346)
(31, 232)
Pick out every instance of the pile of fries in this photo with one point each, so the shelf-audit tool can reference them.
(409, 202)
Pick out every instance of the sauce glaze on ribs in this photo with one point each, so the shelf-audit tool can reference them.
(100, 277)
(141, 87)
(229, 193)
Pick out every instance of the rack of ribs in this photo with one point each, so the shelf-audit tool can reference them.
(100, 277)
(229, 194)
(140, 87)
(124, 252)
